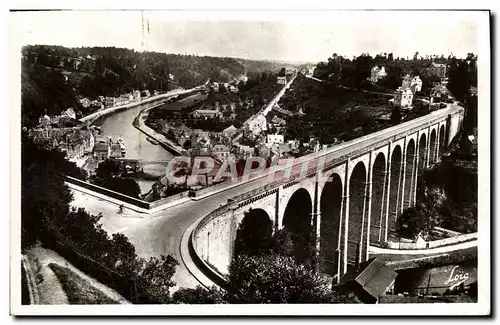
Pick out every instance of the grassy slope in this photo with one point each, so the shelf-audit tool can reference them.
(78, 290)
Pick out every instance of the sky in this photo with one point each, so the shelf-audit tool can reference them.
(309, 36)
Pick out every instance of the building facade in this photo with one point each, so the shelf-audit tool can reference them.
(403, 97)
(377, 73)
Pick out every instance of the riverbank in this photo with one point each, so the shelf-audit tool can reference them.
(95, 116)
(160, 138)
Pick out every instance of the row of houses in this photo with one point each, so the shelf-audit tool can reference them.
(75, 142)
(229, 86)
(108, 101)
(378, 72)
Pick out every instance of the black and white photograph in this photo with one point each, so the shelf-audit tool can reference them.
(191, 162)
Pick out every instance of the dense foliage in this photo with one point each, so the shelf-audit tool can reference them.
(109, 175)
(446, 197)
(331, 112)
(275, 279)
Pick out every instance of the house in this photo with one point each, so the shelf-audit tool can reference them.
(284, 148)
(403, 97)
(304, 70)
(102, 151)
(413, 83)
(244, 150)
(438, 69)
(281, 80)
(44, 121)
(300, 112)
(377, 74)
(170, 76)
(439, 94)
(263, 151)
(136, 95)
(85, 102)
(257, 124)
(369, 281)
(406, 81)
(70, 112)
(233, 88)
(116, 150)
(73, 141)
(416, 84)
(282, 111)
(222, 152)
(109, 101)
(277, 121)
(294, 144)
(230, 131)
(145, 93)
(206, 114)
(275, 139)
(123, 99)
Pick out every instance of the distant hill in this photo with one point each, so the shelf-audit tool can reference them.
(255, 66)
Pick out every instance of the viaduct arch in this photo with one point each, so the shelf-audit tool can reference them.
(368, 182)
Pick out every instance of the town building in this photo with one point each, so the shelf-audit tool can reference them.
(85, 102)
(245, 151)
(416, 84)
(403, 97)
(222, 153)
(136, 95)
(73, 141)
(438, 69)
(275, 139)
(282, 111)
(70, 112)
(377, 73)
(109, 101)
(257, 124)
(440, 94)
(206, 114)
(230, 131)
(102, 151)
(281, 80)
(406, 81)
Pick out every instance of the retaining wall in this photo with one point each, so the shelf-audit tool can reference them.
(432, 244)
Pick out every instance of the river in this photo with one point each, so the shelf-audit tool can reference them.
(119, 125)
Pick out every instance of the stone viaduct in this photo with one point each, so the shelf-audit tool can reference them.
(351, 202)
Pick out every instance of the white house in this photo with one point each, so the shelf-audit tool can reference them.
(257, 124)
(281, 80)
(403, 97)
(275, 139)
(207, 113)
(377, 74)
(416, 84)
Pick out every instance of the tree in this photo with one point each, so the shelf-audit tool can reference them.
(414, 220)
(275, 279)
(395, 116)
(155, 279)
(199, 295)
(108, 174)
